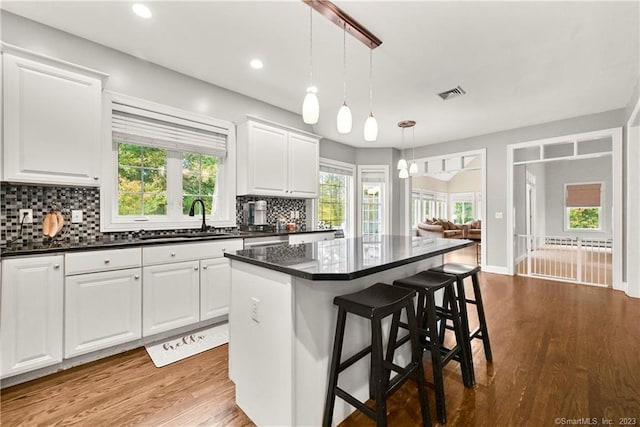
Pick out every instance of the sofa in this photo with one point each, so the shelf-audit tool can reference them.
(473, 230)
(441, 228)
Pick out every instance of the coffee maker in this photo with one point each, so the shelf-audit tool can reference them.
(254, 215)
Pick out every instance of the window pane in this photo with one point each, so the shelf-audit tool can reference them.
(129, 154)
(190, 183)
(154, 181)
(332, 201)
(155, 204)
(584, 218)
(199, 174)
(129, 179)
(130, 204)
(154, 157)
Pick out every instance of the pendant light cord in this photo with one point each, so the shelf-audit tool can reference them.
(310, 47)
(344, 62)
(371, 81)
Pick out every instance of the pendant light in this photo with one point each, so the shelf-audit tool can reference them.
(370, 125)
(344, 120)
(413, 169)
(310, 105)
(402, 163)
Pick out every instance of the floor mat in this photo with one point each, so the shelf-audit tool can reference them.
(187, 345)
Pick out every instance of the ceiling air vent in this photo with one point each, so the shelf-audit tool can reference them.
(452, 93)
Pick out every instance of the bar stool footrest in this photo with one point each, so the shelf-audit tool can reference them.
(355, 403)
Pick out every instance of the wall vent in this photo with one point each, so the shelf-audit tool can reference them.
(452, 93)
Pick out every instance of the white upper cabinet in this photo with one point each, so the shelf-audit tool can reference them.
(274, 160)
(52, 116)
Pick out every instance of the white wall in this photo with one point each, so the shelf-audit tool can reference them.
(577, 171)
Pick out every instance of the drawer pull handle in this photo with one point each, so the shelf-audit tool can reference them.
(204, 267)
(107, 261)
(136, 277)
(173, 254)
(195, 268)
(56, 266)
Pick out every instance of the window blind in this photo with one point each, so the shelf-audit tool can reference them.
(144, 127)
(583, 195)
(336, 169)
(371, 176)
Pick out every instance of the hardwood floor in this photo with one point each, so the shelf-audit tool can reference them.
(560, 351)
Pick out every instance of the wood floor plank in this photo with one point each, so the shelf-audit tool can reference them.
(560, 350)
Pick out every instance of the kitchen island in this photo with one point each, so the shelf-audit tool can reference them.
(282, 319)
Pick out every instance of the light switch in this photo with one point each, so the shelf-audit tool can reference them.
(76, 216)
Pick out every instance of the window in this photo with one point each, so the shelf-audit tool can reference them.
(374, 198)
(583, 206)
(427, 204)
(162, 159)
(335, 196)
(462, 207)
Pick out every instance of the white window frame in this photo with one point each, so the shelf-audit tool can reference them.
(225, 215)
(462, 197)
(363, 169)
(351, 194)
(600, 210)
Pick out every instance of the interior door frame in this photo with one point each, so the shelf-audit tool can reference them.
(617, 252)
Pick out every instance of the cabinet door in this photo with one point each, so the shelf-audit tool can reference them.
(303, 166)
(51, 124)
(215, 287)
(170, 296)
(31, 313)
(102, 310)
(267, 160)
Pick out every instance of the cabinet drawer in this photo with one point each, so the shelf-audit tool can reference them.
(310, 237)
(94, 261)
(189, 251)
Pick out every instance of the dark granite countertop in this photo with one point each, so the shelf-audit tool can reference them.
(346, 259)
(56, 246)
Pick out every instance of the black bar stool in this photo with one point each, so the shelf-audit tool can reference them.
(426, 283)
(460, 272)
(376, 303)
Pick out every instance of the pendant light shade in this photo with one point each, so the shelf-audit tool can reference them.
(370, 129)
(344, 119)
(404, 174)
(413, 169)
(311, 106)
(402, 164)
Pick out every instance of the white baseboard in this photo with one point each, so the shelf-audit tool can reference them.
(497, 269)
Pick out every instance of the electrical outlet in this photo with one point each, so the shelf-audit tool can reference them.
(76, 216)
(498, 215)
(28, 219)
(255, 304)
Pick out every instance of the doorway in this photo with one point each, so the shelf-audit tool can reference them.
(565, 197)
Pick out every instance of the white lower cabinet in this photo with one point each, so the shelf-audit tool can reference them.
(31, 313)
(171, 296)
(102, 310)
(215, 287)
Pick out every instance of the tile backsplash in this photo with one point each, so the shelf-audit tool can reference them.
(42, 199)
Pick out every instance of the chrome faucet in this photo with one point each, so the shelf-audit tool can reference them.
(192, 212)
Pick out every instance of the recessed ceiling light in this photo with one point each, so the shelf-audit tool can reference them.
(141, 10)
(256, 64)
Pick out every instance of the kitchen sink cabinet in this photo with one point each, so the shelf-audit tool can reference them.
(31, 313)
(52, 120)
(170, 296)
(102, 310)
(215, 287)
(275, 160)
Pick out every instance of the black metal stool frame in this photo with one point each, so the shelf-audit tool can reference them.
(380, 367)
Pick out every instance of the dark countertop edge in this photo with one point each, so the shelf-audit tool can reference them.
(120, 244)
(345, 276)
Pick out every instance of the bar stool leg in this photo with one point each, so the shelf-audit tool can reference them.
(391, 346)
(481, 319)
(417, 359)
(436, 360)
(334, 368)
(451, 304)
(377, 372)
(464, 318)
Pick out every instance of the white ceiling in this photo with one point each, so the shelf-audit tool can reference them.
(521, 63)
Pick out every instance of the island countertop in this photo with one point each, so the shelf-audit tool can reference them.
(349, 258)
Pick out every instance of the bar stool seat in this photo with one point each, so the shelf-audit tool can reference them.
(428, 313)
(376, 303)
(460, 272)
